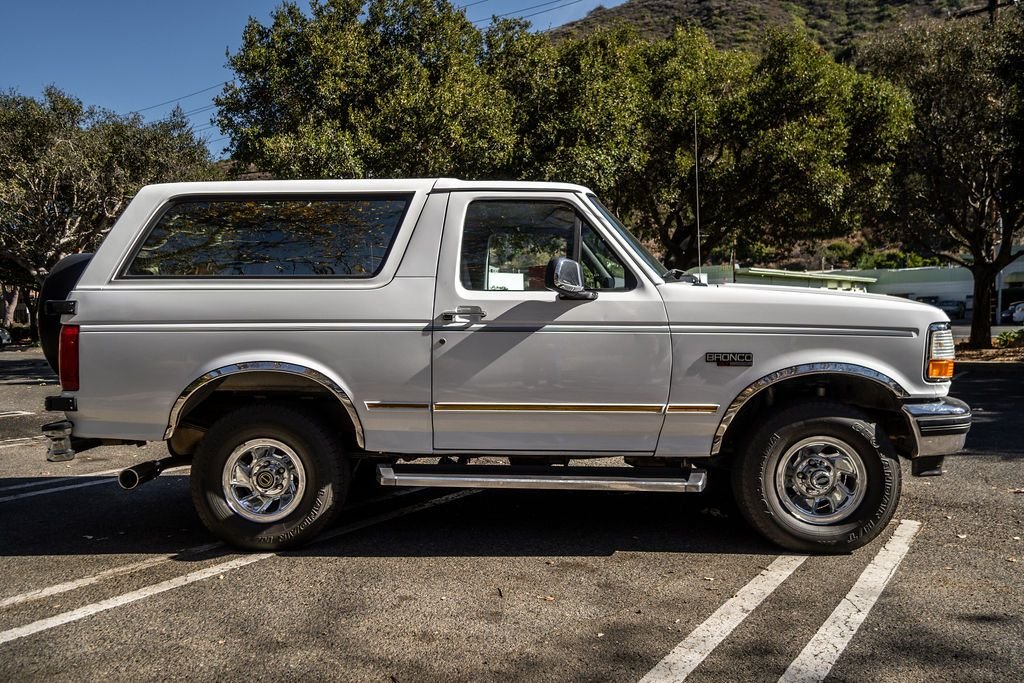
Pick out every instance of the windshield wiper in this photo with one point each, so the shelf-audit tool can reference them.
(683, 276)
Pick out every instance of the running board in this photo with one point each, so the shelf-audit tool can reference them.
(670, 479)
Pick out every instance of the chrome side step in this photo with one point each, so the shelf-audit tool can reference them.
(673, 480)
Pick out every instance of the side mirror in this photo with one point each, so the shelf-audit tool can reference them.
(565, 276)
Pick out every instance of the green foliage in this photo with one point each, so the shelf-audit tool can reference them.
(1011, 339)
(67, 171)
(397, 92)
(960, 185)
(893, 259)
(833, 24)
(793, 146)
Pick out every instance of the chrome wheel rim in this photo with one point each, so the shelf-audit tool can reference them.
(821, 480)
(263, 480)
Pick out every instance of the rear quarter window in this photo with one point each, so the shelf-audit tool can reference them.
(247, 237)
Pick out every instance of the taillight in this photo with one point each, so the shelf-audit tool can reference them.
(941, 350)
(68, 357)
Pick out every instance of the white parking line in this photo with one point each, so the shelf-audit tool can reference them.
(20, 441)
(39, 593)
(46, 481)
(14, 413)
(821, 653)
(686, 656)
(96, 578)
(55, 489)
(177, 582)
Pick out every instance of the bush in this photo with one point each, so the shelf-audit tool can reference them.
(1011, 339)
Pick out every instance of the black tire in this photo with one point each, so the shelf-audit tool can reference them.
(785, 516)
(321, 461)
(56, 287)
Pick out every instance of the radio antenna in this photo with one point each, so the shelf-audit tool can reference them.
(696, 184)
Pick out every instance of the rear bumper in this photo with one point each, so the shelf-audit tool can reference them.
(63, 445)
(940, 427)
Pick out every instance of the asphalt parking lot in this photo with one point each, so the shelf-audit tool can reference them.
(423, 585)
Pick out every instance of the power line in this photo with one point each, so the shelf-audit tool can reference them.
(183, 97)
(200, 110)
(527, 9)
(545, 11)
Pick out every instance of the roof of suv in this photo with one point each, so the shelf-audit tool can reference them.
(371, 185)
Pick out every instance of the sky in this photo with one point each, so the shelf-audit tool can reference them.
(147, 56)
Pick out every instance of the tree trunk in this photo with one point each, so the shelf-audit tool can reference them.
(12, 305)
(981, 323)
(32, 304)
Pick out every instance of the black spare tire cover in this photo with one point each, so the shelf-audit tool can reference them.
(58, 284)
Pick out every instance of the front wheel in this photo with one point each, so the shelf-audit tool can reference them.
(818, 478)
(268, 477)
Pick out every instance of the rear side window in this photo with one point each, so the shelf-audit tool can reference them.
(271, 237)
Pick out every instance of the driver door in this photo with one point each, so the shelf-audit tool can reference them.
(517, 369)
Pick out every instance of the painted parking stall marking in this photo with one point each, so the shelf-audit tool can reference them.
(202, 574)
(55, 489)
(47, 481)
(66, 586)
(20, 441)
(816, 660)
(56, 589)
(824, 649)
(15, 413)
(688, 655)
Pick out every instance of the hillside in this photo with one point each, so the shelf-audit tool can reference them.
(835, 24)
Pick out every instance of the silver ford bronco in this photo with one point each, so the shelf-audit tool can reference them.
(284, 336)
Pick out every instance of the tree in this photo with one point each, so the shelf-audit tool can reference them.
(960, 179)
(397, 91)
(580, 103)
(792, 145)
(67, 172)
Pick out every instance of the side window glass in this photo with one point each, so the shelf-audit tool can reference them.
(602, 267)
(271, 238)
(506, 245)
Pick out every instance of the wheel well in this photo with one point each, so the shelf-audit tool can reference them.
(875, 399)
(208, 403)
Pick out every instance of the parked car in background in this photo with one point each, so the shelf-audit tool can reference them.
(1018, 314)
(5, 337)
(954, 309)
(1006, 317)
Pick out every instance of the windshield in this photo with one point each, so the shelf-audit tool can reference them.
(624, 232)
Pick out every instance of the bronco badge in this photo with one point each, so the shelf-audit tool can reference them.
(729, 359)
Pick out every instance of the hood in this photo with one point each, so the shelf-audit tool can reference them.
(778, 306)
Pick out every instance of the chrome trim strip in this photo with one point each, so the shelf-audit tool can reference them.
(699, 408)
(583, 328)
(265, 366)
(799, 371)
(806, 330)
(394, 405)
(694, 483)
(446, 407)
(297, 326)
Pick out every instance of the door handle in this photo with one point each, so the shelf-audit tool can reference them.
(463, 312)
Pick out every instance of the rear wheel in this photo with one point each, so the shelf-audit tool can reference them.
(268, 477)
(818, 478)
